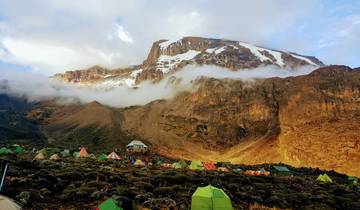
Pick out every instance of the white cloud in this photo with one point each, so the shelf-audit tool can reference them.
(54, 56)
(70, 26)
(124, 35)
(38, 87)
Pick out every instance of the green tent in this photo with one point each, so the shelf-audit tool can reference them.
(102, 157)
(324, 178)
(281, 171)
(4, 151)
(352, 180)
(65, 153)
(210, 198)
(183, 164)
(17, 148)
(196, 165)
(76, 154)
(238, 170)
(177, 165)
(49, 151)
(109, 204)
(92, 156)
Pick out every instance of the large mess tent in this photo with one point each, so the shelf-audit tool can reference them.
(136, 146)
(210, 198)
(281, 171)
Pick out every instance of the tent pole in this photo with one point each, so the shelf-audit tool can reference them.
(3, 176)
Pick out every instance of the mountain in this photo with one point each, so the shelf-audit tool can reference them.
(309, 120)
(167, 57)
(14, 124)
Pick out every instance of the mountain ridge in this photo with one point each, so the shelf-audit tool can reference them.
(166, 57)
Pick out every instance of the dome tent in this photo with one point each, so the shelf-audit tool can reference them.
(113, 156)
(102, 157)
(55, 157)
(109, 204)
(210, 198)
(196, 165)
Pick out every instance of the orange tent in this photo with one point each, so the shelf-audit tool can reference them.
(256, 173)
(113, 156)
(83, 152)
(209, 166)
(249, 173)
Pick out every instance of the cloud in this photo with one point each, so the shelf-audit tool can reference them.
(37, 87)
(124, 35)
(87, 31)
(55, 56)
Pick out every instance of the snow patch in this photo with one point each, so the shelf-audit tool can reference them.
(130, 82)
(136, 73)
(166, 63)
(256, 51)
(216, 50)
(166, 44)
(304, 59)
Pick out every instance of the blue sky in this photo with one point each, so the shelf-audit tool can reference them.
(49, 36)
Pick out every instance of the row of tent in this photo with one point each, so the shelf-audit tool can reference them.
(352, 180)
(13, 149)
(204, 198)
(194, 165)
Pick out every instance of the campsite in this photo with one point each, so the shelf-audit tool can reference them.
(59, 178)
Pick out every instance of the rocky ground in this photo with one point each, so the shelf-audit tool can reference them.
(83, 184)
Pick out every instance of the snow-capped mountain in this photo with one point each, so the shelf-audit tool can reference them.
(168, 56)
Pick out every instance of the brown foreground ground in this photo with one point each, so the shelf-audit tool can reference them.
(83, 184)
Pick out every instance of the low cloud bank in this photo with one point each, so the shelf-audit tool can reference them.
(36, 87)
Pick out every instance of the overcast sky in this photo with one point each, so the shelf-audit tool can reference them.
(49, 36)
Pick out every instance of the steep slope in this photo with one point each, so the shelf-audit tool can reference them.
(14, 126)
(167, 57)
(93, 125)
(310, 120)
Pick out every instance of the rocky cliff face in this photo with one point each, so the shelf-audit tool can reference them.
(167, 57)
(310, 120)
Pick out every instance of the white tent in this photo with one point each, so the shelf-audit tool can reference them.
(113, 156)
(8, 204)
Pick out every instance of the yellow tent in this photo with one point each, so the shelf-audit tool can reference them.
(139, 162)
(55, 157)
(39, 156)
